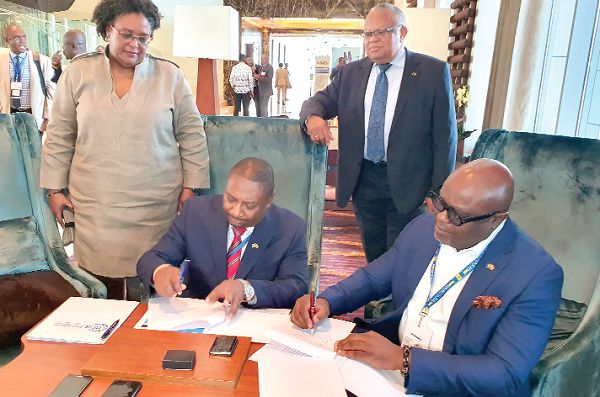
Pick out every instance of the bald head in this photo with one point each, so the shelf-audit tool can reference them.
(74, 43)
(487, 182)
(256, 170)
(479, 195)
(16, 38)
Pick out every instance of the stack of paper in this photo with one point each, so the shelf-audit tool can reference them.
(295, 355)
(82, 320)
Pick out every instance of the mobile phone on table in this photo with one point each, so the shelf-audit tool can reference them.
(224, 345)
(123, 388)
(71, 386)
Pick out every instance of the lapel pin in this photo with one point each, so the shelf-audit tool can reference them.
(255, 245)
(491, 267)
(414, 74)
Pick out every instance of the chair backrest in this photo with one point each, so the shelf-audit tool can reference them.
(299, 167)
(26, 222)
(14, 184)
(557, 199)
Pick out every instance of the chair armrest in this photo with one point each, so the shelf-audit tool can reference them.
(573, 367)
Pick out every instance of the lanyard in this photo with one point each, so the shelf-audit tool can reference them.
(432, 300)
(17, 70)
(239, 247)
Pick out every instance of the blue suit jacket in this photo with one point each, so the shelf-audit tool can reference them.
(275, 260)
(486, 352)
(421, 149)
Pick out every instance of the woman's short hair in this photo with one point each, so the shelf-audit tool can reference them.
(107, 11)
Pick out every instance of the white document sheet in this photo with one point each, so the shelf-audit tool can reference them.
(172, 314)
(181, 314)
(288, 375)
(320, 344)
(252, 323)
(82, 320)
(274, 349)
(364, 380)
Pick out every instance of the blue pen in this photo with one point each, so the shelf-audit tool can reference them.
(109, 330)
(183, 270)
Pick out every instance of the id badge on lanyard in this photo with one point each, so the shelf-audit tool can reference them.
(15, 89)
(418, 336)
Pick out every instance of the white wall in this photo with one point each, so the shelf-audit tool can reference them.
(162, 45)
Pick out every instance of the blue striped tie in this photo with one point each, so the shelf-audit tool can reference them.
(375, 142)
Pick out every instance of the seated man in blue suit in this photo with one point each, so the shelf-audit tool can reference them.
(475, 298)
(241, 247)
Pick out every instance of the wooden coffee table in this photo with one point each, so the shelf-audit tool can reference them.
(42, 365)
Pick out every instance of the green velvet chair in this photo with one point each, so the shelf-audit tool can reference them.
(36, 275)
(557, 201)
(298, 164)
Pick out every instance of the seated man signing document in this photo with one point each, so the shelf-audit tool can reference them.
(475, 298)
(241, 247)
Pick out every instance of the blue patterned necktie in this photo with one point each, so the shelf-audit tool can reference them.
(375, 142)
(17, 67)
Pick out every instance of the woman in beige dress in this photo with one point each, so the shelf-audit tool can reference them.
(127, 141)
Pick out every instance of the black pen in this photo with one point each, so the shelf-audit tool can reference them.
(110, 329)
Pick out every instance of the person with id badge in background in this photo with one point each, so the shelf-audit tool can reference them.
(31, 89)
(474, 297)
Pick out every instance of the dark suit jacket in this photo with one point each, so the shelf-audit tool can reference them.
(421, 150)
(486, 352)
(265, 86)
(275, 260)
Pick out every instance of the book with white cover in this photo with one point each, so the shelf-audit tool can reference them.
(318, 344)
(83, 320)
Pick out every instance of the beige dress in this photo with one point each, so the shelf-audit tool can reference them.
(124, 160)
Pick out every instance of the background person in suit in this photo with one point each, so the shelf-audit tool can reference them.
(264, 77)
(282, 82)
(397, 129)
(73, 46)
(24, 87)
(485, 334)
(266, 263)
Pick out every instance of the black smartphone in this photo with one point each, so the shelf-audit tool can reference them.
(123, 388)
(71, 386)
(224, 345)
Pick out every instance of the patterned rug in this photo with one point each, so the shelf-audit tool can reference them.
(342, 252)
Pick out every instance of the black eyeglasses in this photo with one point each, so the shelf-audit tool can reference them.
(453, 216)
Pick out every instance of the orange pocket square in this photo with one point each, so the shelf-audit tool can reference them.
(487, 302)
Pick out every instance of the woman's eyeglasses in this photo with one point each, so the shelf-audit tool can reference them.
(126, 36)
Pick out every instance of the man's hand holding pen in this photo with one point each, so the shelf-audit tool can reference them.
(168, 281)
(301, 313)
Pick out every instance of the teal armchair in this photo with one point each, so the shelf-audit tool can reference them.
(299, 167)
(557, 201)
(36, 275)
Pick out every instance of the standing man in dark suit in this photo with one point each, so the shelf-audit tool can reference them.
(397, 129)
(241, 247)
(264, 78)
